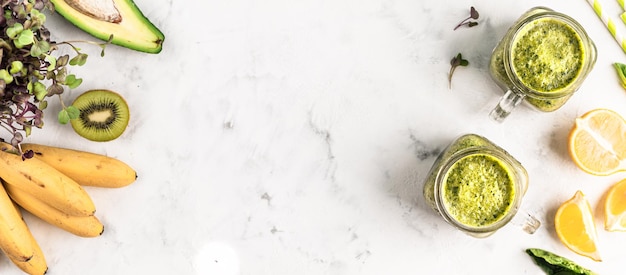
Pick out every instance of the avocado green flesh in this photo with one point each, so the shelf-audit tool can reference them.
(135, 31)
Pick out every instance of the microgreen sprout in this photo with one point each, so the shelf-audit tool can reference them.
(454, 63)
(30, 72)
(467, 21)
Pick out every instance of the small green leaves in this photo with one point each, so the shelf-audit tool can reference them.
(25, 38)
(4, 75)
(43, 105)
(39, 48)
(67, 114)
(80, 59)
(16, 67)
(473, 15)
(40, 91)
(21, 37)
(31, 72)
(73, 82)
(73, 112)
(52, 61)
(64, 116)
(37, 19)
(454, 63)
(621, 72)
(14, 30)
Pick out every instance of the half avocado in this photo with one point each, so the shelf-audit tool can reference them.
(120, 18)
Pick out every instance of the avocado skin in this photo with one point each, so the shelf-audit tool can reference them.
(135, 31)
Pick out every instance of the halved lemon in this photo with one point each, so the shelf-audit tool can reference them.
(597, 142)
(575, 226)
(615, 207)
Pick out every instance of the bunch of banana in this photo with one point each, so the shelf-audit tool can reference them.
(49, 186)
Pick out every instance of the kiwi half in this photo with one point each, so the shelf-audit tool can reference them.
(103, 116)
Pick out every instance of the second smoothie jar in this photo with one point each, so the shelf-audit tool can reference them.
(477, 187)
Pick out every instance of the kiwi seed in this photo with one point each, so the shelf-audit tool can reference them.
(103, 116)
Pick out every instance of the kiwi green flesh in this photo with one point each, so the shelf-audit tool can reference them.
(103, 116)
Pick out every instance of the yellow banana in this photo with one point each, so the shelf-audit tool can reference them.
(44, 182)
(83, 226)
(86, 168)
(15, 238)
(37, 264)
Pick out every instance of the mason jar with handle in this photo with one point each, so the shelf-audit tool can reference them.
(477, 187)
(543, 59)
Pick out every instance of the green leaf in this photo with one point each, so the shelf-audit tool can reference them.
(38, 75)
(4, 75)
(43, 105)
(40, 91)
(26, 37)
(73, 112)
(73, 82)
(63, 117)
(16, 67)
(37, 17)
(39, 48)
(52, 61)
(79, 59)
(555, 264)
(621, 72)
(14, 30)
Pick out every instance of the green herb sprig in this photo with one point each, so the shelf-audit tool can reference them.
(30, 72)
(454, 63)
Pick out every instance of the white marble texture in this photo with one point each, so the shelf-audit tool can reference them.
(293, 137)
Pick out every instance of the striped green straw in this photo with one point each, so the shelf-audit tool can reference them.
(608, 22)
(623, 15)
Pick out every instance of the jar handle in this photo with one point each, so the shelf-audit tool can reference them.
(526, 221)
(509, 101)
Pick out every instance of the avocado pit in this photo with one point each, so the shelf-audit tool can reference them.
(103, 10)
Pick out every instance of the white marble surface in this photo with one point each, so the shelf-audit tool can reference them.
(293, 137)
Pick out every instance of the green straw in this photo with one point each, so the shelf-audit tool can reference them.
(623, 15)
(608, 22)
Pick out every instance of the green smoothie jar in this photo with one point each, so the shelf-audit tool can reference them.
(543, 58)
(477, 186)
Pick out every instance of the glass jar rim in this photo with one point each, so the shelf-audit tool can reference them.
(481, 150)
(588, 57)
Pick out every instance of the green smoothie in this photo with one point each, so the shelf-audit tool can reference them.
(548, 55)
(475, 184)
(465, 141)
(478, 190)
